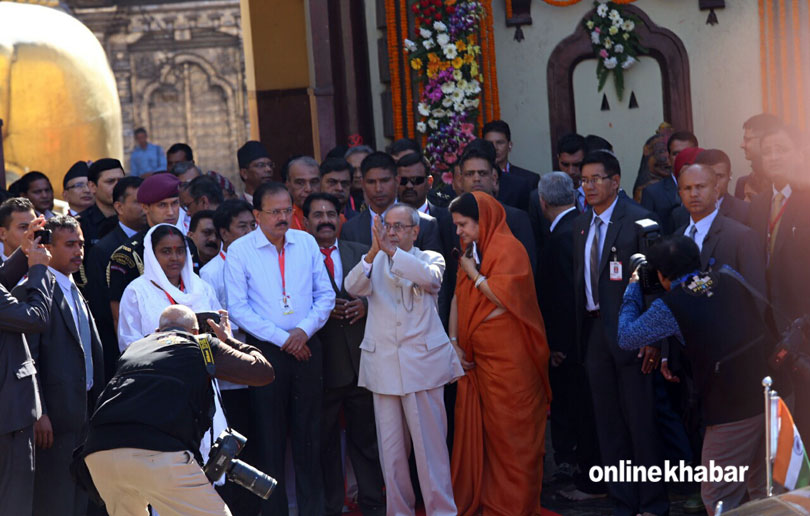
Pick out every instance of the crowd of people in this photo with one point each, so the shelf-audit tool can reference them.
(420, 333)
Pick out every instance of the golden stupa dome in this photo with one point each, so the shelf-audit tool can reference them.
(58, 98)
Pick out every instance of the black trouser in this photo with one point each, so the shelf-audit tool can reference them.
(238, 410)
(17, 471)
(573, 430)
(624, 408)
(361, 447)
(291, 406)
(55, 492)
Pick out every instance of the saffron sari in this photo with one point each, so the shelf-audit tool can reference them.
(502, 403)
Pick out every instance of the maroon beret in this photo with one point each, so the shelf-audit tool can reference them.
(157, 187)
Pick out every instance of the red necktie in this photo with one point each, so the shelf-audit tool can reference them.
(330, 265)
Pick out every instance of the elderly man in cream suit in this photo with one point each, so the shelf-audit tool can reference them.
(406, 360)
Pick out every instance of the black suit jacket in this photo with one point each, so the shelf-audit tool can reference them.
(98, 297)
(787, 274)
(731, 243)
(621, 242)
(341, 340)
(447, 232)
(59, 358)
(358, 229)
(555, 286)
(514, 190)
(522, 173)
(19, 394)
(662, 198)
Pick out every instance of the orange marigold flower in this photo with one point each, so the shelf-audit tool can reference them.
(457, 62)
(416, 64)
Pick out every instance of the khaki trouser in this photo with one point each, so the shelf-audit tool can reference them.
(172, 482)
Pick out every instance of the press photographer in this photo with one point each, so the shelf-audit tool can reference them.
(715, 316)
(145, 434)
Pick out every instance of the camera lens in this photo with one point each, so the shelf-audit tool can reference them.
(252, 479)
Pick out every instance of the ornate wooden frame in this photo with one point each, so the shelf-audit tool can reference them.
(663, 45)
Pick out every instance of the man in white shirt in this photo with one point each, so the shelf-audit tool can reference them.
(279, 293)
(15, 216)
(70, 371)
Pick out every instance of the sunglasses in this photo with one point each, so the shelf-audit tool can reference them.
(415, 181)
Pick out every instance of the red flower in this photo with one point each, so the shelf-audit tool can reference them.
(451, 9)
(424, 3)
(415, 8)
(438, 16)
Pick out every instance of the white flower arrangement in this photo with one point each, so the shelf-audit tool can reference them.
(410, 46)
(450, 51)
(426, 34)
(439, 27)
(428, 44)
(608, 25)
(443, 39)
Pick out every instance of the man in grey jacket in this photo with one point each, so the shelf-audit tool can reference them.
(19, 396)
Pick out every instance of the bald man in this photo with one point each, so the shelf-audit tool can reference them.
(721, 240)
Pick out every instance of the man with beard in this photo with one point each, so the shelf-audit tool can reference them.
(201, 231)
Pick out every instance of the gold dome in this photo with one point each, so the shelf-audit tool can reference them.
(58, 98)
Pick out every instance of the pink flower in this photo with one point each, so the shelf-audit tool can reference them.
(447, 178)
(598, 30)
(450, 158)
(467, 129)
(603, 53)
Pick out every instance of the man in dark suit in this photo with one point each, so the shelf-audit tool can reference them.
(781, 216)
(70, 373)
(131, 220)
(573, 433)
(341, 337)
(728, 205)
(513, 183)
(336, 179)
(721, 240)
(97, 220)
(19, 395)
(756, 182)
(605, 237)
(662, 197)
(380, 187)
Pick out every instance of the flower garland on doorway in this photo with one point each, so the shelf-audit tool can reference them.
(615, 42)
(445, 52)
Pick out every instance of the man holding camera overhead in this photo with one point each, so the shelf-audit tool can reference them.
(145, 434)
(605, 237)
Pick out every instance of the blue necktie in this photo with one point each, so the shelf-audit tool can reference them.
(84, 334)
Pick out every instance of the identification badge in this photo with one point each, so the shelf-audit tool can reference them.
(615, 270)
(286, 306)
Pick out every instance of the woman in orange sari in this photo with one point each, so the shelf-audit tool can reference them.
(498, 332)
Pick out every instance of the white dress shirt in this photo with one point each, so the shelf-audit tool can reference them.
(213, 273)
(254, 287)
(338, 265)
(703, 226)
(786, 191)
(559, 218)
(66, 283)
(605, 217)
(128, 231)
(425, 208)
(371, 226)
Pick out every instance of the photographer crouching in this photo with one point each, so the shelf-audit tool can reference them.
(146, 431)
(726, 341)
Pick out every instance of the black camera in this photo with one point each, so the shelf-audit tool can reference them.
(648, 234)
(44, 236)
(790, 353)
(222, 461)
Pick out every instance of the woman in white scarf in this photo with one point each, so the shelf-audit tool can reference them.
(168, 279)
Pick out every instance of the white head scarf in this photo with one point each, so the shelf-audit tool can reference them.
(152, 271)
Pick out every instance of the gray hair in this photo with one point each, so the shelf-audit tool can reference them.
(360, 148)
(179, 317)
(556, 189)
(407, 207)
(303, 160)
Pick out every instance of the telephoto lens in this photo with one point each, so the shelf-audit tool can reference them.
(258, 483)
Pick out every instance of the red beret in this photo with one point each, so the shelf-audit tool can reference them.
(685, 157)
(157, 187)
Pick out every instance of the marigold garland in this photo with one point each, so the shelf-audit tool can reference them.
(393, 66)
(410, 119)
(493, 100)
(508, 9)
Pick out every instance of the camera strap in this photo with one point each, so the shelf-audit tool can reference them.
(204, 342)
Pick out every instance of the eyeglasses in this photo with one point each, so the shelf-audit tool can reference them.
(78, 186)
(415, 181)
(396, 226)
(593, 180)
(277, 212)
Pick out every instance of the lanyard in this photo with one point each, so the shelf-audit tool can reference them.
(281, 268)
(222, 255)
(168, 296)
(778, 217)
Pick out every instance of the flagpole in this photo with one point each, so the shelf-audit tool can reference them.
(766, 383)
